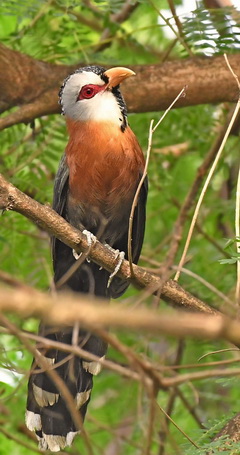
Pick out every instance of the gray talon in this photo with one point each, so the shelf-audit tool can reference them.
(76, 255)
(121, 256)
(91, 239)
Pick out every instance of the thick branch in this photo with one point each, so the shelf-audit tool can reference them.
(35, 84)
(13, 199)
(65, 309)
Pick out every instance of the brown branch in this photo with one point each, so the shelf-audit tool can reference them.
(196, 376)
(45, 104)
(128, 7)
(69, 308)
(34, 84)
(82, 18)
(13, 199)
(117, 18)
(79, 352)
(175, 16)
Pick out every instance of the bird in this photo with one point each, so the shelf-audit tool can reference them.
(94, 190)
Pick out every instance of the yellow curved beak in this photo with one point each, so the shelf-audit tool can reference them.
(117, 75)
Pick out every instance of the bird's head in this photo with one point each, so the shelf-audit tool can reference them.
(92, 94)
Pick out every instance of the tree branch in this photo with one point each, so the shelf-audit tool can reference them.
(65, 309)
(34, 84)
(13, 199)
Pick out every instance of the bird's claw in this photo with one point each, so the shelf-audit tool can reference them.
(76, 255)
(120, 255)
(91, 239)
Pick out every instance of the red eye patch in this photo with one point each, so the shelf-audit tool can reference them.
(89, 91)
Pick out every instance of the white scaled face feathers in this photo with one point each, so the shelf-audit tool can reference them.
(102, 106)
(92, 94)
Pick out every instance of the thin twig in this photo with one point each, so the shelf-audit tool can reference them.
(176, 18)
(178, 34)
(190, 197)
(152, 414)
(177, 426)
(237, 211)
(197, 277)
(113, 366)
(185, 208)
(218, 351)
(208, 285)
(118, 18)
(58, 381)
(237, 230)
(82, 18)
(190, 407)
(171, 400)
(183, 378)
(135, 200)
(182, 93)
(205, 186)
(79, 352)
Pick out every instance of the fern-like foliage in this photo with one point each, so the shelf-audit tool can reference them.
(212, 31)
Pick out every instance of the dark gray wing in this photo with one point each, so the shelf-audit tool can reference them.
(118, 286)
(60, 194)
(139, 222)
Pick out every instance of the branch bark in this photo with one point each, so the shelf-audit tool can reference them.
(13, 199)
(34, 84)
(65, 309)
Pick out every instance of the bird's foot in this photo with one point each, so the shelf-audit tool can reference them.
(120, 255)
(91, 239)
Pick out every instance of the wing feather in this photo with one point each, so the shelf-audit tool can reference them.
(60, 196)
(119, 286)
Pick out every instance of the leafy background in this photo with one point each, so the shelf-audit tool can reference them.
(68, 32)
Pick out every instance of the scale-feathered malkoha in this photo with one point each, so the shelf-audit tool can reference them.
(94, 190)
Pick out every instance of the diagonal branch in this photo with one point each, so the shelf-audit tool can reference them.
(118, 18)
(13, 199)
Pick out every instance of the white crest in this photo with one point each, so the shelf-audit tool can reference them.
(102, 107)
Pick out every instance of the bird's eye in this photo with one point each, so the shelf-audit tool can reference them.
(89, 91)
(86, 92)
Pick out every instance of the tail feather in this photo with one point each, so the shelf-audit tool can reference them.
(47, 411)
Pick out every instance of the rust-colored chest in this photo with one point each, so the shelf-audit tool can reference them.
(104, 164)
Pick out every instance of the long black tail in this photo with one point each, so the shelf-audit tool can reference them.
(47, 411)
